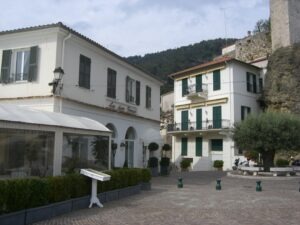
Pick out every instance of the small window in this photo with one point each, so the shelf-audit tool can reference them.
(148, 97)
(251, 82)
(217, 144)
(84, 72)
(245, 111)
(111, 83)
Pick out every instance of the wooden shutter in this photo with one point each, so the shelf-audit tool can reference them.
(199, 119)
(84, 71)
(198, 146)
(184, 120)
(33, 62)
(5, 67)
(248, 82)
(127, 89)
(216, 80)
(217, 117)
(199, 83)
(184, 87)
(137, 92)
(184, 145)
(254, 83)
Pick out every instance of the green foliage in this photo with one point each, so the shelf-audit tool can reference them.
(164, 63)
(251, 155)
(282, 162)
(153, 162)
(268, 133)
(59, 188)
(166, 147)
(3, 196)
(145, 175)
(185, 163)
(218, 164)
(153, 146)
(165, 161)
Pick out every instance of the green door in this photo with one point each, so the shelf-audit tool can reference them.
(198, 146)
(184, 120)
(217, 117)
(184, 144)
(199, 119)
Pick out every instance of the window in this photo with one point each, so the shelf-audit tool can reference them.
(199, 83)
(84, 72)
(217, 144)
(137, 93)
(251, 82)
(111, 83)
(245, 111)
(198, 146)
(260, 83)
(198, 119)
(217, 117)
(216, 80)
(184, 144)
(184, 120)
(148, 97)
(19, 65)
(184, 87)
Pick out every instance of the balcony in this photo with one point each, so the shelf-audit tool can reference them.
(198, 126)
(197, 92)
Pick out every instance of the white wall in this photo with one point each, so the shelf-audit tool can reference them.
(167, 101)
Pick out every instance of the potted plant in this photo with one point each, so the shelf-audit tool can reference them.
(185, 164)
(153, 165)
(166, 148)
(164, 166)
(218, 164)
(152, 147)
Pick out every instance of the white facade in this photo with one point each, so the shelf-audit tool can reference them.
(206, 116)
(134, 124)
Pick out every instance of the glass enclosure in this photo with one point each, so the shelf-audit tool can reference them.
(26, 153)
(84, 151)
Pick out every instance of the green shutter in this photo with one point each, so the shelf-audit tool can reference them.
(248, 76)
(33, 62)
(84, 71)
(254, 83)
(242, 112)
(184, 120)
(216, 80)
(199, 119)
(217, 144)
(217, 117)
(199, 83)
(111, 83)
(184, 145)
(148, 97)
(184, 87)
(5, 67)
(198, 146)
(127, 89)
(137, 92)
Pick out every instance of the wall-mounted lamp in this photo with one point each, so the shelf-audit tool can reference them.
(122, 145)
(58, 74)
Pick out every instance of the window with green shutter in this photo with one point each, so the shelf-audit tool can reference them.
(184, 87)
(148, 97)
(111, 83)
(217, 117)
(216, 80)
(199, 83)
(245, 111)
(5, 66)
(137, 92)
(33, 64)
(198, 119)
(217, 144)
(251, 82)
(198, 146)
(184, 120)
(84, 72)
(184, 145)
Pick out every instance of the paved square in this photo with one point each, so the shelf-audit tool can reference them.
(199, 203)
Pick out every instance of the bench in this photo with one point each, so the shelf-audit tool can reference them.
(248, 169)
(281, 170)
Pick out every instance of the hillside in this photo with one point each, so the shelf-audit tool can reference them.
(166, 62)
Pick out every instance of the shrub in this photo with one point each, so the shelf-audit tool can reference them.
(166, 147)
(153, 162)
(251, 155)
(218, 164)
(3, 196)
(153, 146)
(185, 163)
(165, 161)
(282, 162)
(145, 175)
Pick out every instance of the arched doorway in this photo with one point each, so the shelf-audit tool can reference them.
(114, 145)
(129, 146)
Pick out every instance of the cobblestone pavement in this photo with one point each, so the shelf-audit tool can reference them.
(198, 203)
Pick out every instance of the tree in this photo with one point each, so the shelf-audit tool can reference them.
(268, 133)
(262, 26)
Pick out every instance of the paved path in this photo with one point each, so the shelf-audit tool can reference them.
(198, 203)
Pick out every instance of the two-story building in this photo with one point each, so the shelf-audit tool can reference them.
(94, 82)
(208, 100)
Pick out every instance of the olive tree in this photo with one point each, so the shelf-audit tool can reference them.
(268, 133)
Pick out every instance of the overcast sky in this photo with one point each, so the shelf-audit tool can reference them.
(137, 27)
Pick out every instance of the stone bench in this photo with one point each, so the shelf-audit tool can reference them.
(248, 169)
(281, 170)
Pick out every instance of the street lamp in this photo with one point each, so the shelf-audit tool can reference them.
(58, 74)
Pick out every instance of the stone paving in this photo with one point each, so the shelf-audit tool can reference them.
(198, 203)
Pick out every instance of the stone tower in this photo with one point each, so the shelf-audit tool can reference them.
(285, 22)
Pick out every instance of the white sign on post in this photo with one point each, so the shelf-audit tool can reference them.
(95, 175)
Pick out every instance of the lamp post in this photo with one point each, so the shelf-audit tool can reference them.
(58, 74)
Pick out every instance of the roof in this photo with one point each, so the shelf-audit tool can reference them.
(18, 114)
(214, 63)
(61, 25)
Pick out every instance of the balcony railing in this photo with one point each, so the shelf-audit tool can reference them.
(195, 91)
(199, 125)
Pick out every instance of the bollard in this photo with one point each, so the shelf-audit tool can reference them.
(258, 185)
(218, 186)
(180, 183)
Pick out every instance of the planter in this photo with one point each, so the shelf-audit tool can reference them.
(102, 197)
(154, 171)
(37, 214)
(16, 218)
(145, 186)
(164, 170)
(61, 208)
(112, 195)
(80, 203)
(124, 192)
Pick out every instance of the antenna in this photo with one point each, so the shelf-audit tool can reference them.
(225, 27)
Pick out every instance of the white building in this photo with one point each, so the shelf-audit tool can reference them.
(97, 84)
(208, 100)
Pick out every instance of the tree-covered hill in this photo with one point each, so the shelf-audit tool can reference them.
(166, 62)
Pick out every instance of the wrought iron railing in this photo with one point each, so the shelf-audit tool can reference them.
(199, 125)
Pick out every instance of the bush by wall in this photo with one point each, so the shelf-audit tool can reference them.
(18, 194)
(218, 164)
(282, 162)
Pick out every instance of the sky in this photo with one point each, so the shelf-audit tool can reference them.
(137, 27)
